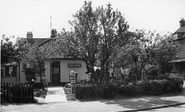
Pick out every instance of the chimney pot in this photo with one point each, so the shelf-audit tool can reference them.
(53, 33)
(29, 35)
(182, 22)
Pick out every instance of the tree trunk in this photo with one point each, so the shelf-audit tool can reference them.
(40, 74)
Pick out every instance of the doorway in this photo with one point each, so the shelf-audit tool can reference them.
(55, 72)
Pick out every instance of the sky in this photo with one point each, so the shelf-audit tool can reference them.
(17, 17)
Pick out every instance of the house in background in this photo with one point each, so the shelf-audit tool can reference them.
(57, 67)
(10, 72)
(180, 38)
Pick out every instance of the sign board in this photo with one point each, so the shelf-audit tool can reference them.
(73, 77)
(74, 65)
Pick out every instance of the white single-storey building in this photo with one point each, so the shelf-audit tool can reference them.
(57, 69)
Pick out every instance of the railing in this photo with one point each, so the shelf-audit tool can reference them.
(17, 92)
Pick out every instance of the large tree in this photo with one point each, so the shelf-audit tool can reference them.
(99, 32)
(87, 34)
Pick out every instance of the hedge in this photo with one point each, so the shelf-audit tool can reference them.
(110, 90)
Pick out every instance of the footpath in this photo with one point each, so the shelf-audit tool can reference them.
(56, 101)
(55, 94)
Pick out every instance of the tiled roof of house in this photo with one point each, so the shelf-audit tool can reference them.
(51, 43)
(36, 40)
(47, 40)
(183, 36)
(180, 30)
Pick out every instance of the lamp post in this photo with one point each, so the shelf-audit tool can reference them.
(32, 82)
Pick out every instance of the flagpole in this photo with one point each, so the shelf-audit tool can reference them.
(50, 24)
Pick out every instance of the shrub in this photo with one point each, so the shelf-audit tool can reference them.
(110, 90)
(175, 83)
(91, 91)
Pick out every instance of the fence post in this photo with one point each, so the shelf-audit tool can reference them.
(7, 92)
(3, 92)
(26, 95)
(21, 92)
(18, 91)
(12, 92)
(32, 90)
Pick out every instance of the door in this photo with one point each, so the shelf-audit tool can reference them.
(55, 72)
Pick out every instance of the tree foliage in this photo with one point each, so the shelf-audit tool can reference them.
(96, 36)
(149, 53)
(7, 49)
(35, 57)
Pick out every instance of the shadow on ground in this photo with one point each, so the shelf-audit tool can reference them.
(147, 101)
(140, 103)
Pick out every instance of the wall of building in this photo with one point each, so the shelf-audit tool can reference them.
(65, 70)
(47, 71)
(22, 74)
(9, 79)
(181, 53)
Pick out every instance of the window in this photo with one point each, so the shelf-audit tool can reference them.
(7, 72)
(10, 71)
(14, 73)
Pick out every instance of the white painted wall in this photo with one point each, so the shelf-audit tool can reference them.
(47, 71)
(65, 70)
(22, 74)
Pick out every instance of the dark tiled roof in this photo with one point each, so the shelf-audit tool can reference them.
(183, 36)
(180, 30)
(37, 40)
(47, 40)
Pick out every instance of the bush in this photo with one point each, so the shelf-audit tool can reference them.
(30, 74)
(110, 90)
(93, 91)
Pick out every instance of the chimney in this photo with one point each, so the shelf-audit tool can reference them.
(53, 33)
(182, 22)
(29, 35)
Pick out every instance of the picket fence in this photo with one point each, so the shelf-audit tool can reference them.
(17, 92)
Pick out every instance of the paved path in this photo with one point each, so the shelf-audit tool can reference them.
(55, 94)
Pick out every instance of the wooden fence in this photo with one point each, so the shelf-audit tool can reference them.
(17, 92)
